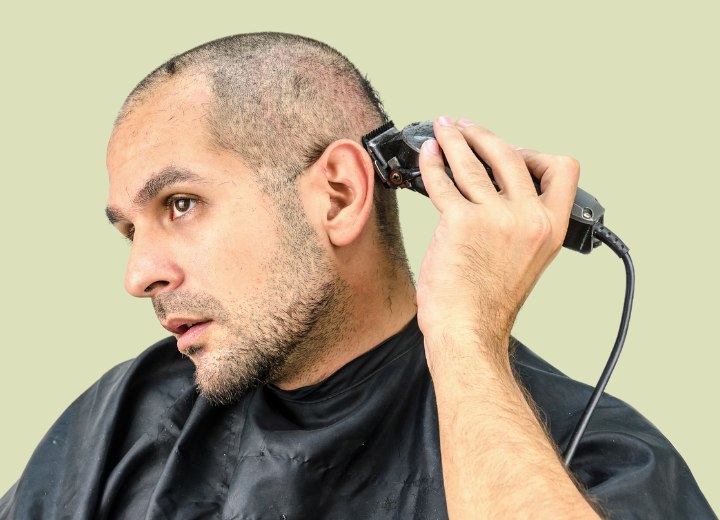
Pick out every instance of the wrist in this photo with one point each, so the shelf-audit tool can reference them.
(464, 358)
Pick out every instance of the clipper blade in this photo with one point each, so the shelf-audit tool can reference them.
(370, 135)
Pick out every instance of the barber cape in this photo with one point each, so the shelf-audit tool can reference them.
(362, 444)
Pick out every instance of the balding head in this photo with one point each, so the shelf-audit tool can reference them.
(279, 101)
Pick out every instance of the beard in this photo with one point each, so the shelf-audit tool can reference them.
(271, 336)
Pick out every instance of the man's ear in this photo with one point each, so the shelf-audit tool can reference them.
(345, 176)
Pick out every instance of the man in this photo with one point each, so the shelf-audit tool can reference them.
(329, 385)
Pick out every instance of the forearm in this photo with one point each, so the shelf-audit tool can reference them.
(498, 461)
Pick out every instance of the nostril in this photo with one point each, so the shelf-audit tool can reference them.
(156, 285)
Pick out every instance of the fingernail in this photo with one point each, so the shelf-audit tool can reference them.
(465, 123)
(445, 121)
(431, 146)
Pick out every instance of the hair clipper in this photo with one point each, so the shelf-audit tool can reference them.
(395, 154)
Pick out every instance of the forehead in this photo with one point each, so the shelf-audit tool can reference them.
(167, 128)
(169, 109)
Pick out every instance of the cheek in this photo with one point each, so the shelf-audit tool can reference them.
(233, 260)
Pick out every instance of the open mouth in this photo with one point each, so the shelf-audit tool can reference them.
(191, 335)
(182, 329)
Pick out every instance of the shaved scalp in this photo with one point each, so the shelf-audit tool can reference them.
(279, 101)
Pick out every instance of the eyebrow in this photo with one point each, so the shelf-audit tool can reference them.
(155, 184)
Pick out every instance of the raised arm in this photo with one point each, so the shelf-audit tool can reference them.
(487, 253)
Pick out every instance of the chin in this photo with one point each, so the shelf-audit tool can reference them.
(224, 380)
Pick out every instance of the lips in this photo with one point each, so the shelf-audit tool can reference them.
(187, 330)
(192, 335)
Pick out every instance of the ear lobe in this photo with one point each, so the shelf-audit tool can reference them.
(349, 177)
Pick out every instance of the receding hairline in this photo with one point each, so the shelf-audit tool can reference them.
(175, 89)
(291, 61)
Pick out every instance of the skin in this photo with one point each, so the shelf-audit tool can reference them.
(486, 255)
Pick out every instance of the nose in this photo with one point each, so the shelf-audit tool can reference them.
(151, 268)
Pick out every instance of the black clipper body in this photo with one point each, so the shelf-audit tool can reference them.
(395, 154)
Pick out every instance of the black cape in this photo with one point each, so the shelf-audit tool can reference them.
(362, 444)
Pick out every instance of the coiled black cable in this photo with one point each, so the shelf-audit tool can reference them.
(609, 238)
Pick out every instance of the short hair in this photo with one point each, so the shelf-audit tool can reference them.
(279, 101)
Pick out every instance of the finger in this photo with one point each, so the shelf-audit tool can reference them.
(470, 175)
(558, 176)
(507, 164)
(439, 186)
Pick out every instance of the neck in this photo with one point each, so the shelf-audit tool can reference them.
(372, 313)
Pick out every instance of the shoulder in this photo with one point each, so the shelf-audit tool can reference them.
(625, 463)
(98, 428)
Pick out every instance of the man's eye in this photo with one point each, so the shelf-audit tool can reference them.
(179, 206)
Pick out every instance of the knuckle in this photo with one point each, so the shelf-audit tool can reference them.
(472, 166)
(557, 245)
(569, 163)
(447, 191)
(539, 228)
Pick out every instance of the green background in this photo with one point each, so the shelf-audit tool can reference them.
(629, 88)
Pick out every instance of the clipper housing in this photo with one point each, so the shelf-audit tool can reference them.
(395, 155)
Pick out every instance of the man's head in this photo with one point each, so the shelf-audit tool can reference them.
(236, 170)
(278, 101)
